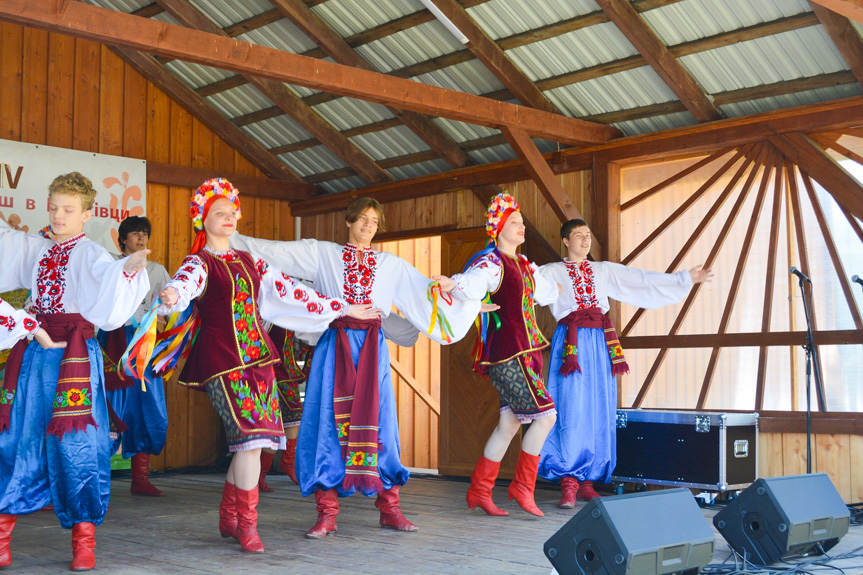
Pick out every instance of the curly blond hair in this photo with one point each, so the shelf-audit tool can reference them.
(74, 184)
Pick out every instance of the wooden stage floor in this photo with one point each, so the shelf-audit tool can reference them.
(177, 534)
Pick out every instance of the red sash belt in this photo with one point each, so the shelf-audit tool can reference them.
(356, 405)
(590, 317)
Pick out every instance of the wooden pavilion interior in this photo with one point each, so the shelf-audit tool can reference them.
(727, 133)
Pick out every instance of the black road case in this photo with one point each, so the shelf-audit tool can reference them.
(706, 450)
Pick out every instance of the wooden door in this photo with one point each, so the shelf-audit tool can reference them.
(469, 403)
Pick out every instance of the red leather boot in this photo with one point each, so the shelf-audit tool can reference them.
(328, 510)
(83, 546)
(391, 511)
(141, 476)
(228, 511)
(568, 491)
(266, 463)
(287, 463)
(481, 484)
(247, 520)
(586, 492)
(521, 488)
(7, 524)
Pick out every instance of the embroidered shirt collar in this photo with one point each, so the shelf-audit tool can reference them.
(71, 242)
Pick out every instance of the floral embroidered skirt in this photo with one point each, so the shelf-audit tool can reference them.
(522, 391)
(248, 404)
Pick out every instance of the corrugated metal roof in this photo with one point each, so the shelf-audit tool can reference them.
(418, 169)
(278, 131)
(196, 75)
(503, 18)
(790, 100)
(463, 132)
(346, 113)
(348, 17)
(312, 161)
(493, 154)
(787, 56)
(240, 101)
(410, 46)
(344, 184)
(121, 5)
(621, 91)
(391, 143)
(227, 13)
(281, 35)
(469, 77)
(655, 123)
(695, 19)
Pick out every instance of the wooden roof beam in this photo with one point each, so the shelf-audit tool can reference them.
(835, 115)
(120, 29)
(286, 100)
(210, 117)
(660, 58)
(844, 37)
(493, 58)
(336, 48)
(812, 160)
(852, 9)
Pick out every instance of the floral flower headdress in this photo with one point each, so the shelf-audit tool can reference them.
(500, 207)
(206, 194)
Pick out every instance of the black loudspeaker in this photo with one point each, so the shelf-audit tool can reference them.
(780, 517)
(649, 533)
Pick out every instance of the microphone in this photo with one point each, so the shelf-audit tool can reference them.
(857, 279)
(799, 274)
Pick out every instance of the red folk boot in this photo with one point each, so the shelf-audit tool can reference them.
(289, 456)
(328, 510)
(521, 488)
(481, 484)
(247, 520)
(228, 511)
(568, 491)
(141, 476)
(391, 512)
(266, 463)
(586, 492)
(83, 546)
(7, 524)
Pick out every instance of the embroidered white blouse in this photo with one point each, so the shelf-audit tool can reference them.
(281, 299)
(484, 275)
(591, 284)
(76, 276)
(380, 278)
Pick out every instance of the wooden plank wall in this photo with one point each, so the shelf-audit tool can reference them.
(59, 91)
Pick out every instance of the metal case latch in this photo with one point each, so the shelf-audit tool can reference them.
(621, 420)
(702, 424)
(741, 448)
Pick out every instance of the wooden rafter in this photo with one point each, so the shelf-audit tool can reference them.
(837, 114)
(838, 267)
(852, 9)
(736, 280)
(493, 58)
(336, 48)
(769, 282)
(814, 161)
(115, 28)
(696, 289)
(803, 254)
(754, 162)
(745, 339)
(694, 197)
(675, 178)
(646, 41)
(286, 100)
(844, 37)
(208, 115)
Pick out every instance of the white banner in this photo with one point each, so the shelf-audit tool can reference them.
(26, 171)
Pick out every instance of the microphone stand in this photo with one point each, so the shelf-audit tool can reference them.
(811, 358)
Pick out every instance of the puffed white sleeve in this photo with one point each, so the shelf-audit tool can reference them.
(412, 299)
(545, 290)
(298, 259)
(159, 278)
(482, 277)
(105, 294)
(293, 305)
(646, 289)
(15, 324)
(189, 281)
(19, 256)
